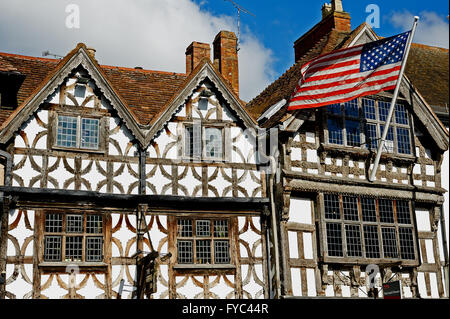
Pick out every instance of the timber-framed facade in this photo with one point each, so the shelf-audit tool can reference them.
(334, 222)
(101, 165)
(85, 164)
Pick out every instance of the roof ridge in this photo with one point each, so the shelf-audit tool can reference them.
(28, 57)
(112, 67)
(425, 46)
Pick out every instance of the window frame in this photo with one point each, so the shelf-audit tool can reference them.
(345, 258)
(64, 233)
(203, 126)
(213, 265)
(79, 113)
(364, 123)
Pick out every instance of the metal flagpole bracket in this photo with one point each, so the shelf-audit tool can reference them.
(394, 100)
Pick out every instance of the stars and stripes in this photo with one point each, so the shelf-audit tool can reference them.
(346, 74)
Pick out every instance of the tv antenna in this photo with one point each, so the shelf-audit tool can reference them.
(239, 9)
(46, 53)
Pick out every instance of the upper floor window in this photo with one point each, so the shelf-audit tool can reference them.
(77, 132)
(363, 227)
(203, 142)
(361, 122)
(203, 241)
(73, 237)
(78, 128)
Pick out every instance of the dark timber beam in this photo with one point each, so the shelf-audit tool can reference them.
(28, 196)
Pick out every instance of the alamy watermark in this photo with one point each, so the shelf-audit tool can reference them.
(373, 19)
(73, 17)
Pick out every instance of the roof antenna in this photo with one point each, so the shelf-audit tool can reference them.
(239, 9)
(46, 53)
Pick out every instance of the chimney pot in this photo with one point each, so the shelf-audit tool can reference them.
(91, 51)
(337, 6)
(326, 10)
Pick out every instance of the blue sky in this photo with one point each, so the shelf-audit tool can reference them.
(279, 23)
(154, 34)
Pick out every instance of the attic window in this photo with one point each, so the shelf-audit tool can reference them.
(80, 90)
(203, 104)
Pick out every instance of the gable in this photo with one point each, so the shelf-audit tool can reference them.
(204, 74)
(78, 57)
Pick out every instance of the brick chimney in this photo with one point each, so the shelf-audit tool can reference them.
(226, 57)
(195, 52)
(334, 19)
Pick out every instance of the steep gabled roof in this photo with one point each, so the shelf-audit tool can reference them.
(203, 70)
(428, 70)
(144, 99)
(143, 91)
(53, 78)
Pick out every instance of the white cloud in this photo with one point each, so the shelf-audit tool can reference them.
(153, 34)
(432, 29)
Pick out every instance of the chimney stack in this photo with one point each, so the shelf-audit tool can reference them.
(226, 57)
(195, 52)
(334, 21)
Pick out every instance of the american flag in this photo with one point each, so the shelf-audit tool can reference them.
(346, 74)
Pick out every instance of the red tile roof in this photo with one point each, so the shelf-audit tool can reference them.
(145, 92)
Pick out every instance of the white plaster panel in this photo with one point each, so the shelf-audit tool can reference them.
(296, 154)
(19, 287)
(423, 220)
(162, 290)
(221, 290)
(158, 180)
(91, 291)
(189, 290)
(431, 184)
(26, 172)
(227, 114)
(308, 246)
(311, 156)
(430, 251)
(434, 285)
(300, 210)
(54, 291)
(310, 137)
(311, 282)
(293, 245)
(422, 286)
(125, 179)
(296, 282)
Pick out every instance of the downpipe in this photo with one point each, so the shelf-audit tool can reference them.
(273, 167)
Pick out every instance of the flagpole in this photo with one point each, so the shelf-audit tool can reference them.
(394, 100)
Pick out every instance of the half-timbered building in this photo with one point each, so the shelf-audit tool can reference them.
(334, 222)
(88, 150)
(102, 165)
